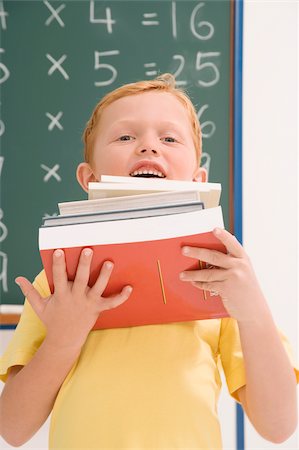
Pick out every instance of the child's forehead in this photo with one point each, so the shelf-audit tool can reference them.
(146, 104)
(152, 96)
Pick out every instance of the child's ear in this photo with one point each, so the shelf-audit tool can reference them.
(200, 174)
(85, 175)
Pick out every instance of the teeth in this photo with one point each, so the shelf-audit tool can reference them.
(148, 172)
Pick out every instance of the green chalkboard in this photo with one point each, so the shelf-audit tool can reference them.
(57, 59)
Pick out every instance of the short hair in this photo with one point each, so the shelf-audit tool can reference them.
(163, 83)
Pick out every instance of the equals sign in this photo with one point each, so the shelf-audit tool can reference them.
(150, 73)
(150, 16)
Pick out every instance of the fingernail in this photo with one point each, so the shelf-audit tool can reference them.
(182, 276)
(129, 289)
(19, 286)
(87, 251)
(58, 253)
(186, 250)
(109, 264)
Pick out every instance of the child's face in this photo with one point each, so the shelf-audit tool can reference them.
(148, 132)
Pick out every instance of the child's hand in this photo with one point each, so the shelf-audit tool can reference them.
(71, 311)
(232, 277)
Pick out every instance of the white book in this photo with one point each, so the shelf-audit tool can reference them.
(209, 192)
(136, 230)
(173, 184)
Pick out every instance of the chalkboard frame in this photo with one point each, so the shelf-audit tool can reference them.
(237, 189)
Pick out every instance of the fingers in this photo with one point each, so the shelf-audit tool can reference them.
(215, 258)
(102, 280)
(116, 300)
(231, 243)
(83, 271)
(204, 275)
(100, 285)
(212, 257)
(60, 279)
(32, 295)
(211, 287)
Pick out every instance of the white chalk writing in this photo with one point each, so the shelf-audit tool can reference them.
(51, 172)
(57, 66)
(4, 69)
(55, 14)
(151, 73)
(203, 24)
(109, 67)
(2, 128)
(108, 21)
(150, 22)
(207, 67)
(208, 127)
(54, 121)
(3, 271)
(179, 70)
(3, 15)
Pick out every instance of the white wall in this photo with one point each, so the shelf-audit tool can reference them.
(270, 177)
(270, 164)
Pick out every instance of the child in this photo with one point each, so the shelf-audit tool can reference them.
(155, 386)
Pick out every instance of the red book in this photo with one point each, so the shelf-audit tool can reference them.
(147, 255)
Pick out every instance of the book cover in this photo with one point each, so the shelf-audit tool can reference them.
(121, 214)
(174, 184)
(147, 255)
(134, 201)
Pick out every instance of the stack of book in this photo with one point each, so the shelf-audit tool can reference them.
(141, 226)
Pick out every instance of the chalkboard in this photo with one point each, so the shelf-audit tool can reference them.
(57, 59)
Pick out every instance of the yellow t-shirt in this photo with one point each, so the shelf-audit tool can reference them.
(149, 387)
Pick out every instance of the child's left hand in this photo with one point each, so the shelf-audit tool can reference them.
(232, 277)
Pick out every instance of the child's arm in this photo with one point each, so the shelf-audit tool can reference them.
(269, 397)
(29, 393)
(68, 314)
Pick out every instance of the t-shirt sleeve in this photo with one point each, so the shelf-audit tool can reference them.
(231, 356)
(28, 335)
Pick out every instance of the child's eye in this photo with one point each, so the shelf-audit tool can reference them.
(169, 139)
(125, 137)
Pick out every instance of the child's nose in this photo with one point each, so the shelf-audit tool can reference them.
(148, 145)
(147, 150)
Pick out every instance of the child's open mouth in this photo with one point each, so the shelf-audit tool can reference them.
(147, 169)
(147, 174)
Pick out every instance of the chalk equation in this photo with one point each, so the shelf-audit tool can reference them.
(205, 65)
(201, 29)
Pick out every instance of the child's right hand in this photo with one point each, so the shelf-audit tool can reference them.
(71, 311)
